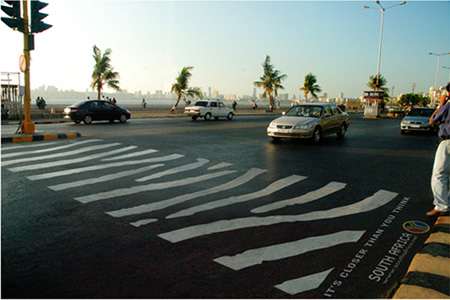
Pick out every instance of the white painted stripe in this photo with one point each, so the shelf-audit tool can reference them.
(303, 284)
(74, 144)
(56, 155)
(28, 145)
(281, 251)
(95, 180)
(330, 188)
(200, 162)
(149, 187)
(272, 188)
(146, 208)
(104, 166)
(71, 161)
(131, 155)
(379, 199)
(219, 166)
(143, 222)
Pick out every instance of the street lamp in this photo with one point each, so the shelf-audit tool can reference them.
(383, 9)
(437, 73)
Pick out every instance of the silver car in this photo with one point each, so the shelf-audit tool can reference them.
(310, 120)
(417, 119)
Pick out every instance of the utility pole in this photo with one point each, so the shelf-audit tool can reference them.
(27, 125)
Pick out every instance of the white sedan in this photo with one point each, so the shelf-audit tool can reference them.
(208, 109)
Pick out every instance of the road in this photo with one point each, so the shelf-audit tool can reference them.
(170, 208)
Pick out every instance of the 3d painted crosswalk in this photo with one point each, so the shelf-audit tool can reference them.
(67, 159)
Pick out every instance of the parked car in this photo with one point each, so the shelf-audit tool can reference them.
(208, 109)
(96, 110)
(310, 120)
(418, 119)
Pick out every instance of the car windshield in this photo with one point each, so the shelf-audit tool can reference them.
(201, 103)
(305, 111)
(420, 113)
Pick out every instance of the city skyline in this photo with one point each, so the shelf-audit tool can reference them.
(226, 42)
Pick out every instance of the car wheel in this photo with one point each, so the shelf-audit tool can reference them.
(342, 131)
(194, 118)
(123, 118)
(208, 117)
(230, 116)
(317, 135)
(402, 131)
(87, 119)
(276, 139)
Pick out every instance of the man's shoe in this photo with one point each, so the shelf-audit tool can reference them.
(434, 212)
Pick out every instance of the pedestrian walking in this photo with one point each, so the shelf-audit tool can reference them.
(440, 178)
(143, 103)
(234, 105)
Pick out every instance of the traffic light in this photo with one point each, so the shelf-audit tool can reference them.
(15, 22)
(36, 17)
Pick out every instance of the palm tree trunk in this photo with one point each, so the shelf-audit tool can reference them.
(176, 104)
(306, 97)
(99, 91)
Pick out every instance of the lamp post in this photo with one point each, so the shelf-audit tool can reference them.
(383, 9)
(437, 73)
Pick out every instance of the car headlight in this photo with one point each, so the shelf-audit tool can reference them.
(303, 127)
(272, 125)
(405, 122)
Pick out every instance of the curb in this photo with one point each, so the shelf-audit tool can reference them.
(39, 137)
(429, 273)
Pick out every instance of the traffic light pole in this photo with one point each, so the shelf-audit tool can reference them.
(27, 125)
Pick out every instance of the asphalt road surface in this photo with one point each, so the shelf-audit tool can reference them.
(171, 208)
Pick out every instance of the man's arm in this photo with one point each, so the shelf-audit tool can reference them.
(442, 102)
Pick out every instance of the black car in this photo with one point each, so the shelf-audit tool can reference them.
(96, 110)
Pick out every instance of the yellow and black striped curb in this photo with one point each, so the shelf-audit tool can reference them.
(428, 276)
(39, 137)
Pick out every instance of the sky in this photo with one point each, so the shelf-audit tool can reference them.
(227, 41)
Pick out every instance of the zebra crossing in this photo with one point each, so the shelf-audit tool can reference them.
(59, 165)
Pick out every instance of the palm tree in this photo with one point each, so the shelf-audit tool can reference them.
(270, 82)
(378, 85)
(103, 73)
(310, 86)
(181, 87)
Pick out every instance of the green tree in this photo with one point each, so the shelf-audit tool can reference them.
(181, 87)
(310, 86)
(378, 85)
(414, 99)
(103, 73)
(270, 82)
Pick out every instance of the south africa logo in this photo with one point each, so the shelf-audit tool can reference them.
(416, 227)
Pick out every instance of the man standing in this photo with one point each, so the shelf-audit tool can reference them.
(440, 178)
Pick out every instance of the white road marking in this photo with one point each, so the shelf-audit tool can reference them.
(219, 166)
(303, 284)
(146, 208)
(276, 252)
(377, 200)
(330, 188)
(70, 161)
(27, 145)
(105, 166)
(149, 187)
(74, 144)
(61, 154)
(95, 180)
(200, 162)
(143, 222)
(131, 155)
(272, 188)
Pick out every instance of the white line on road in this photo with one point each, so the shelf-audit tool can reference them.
(131, 155)
(200, 162)
(276, 252)
(149, 187)
(219, 166)
(379, 199)
(48, 149)
(95, 180)
(303, 284)
(146, 208)
(330, 188)
(27, 145)
(61, 154)
(272, 188)
(104, 166)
